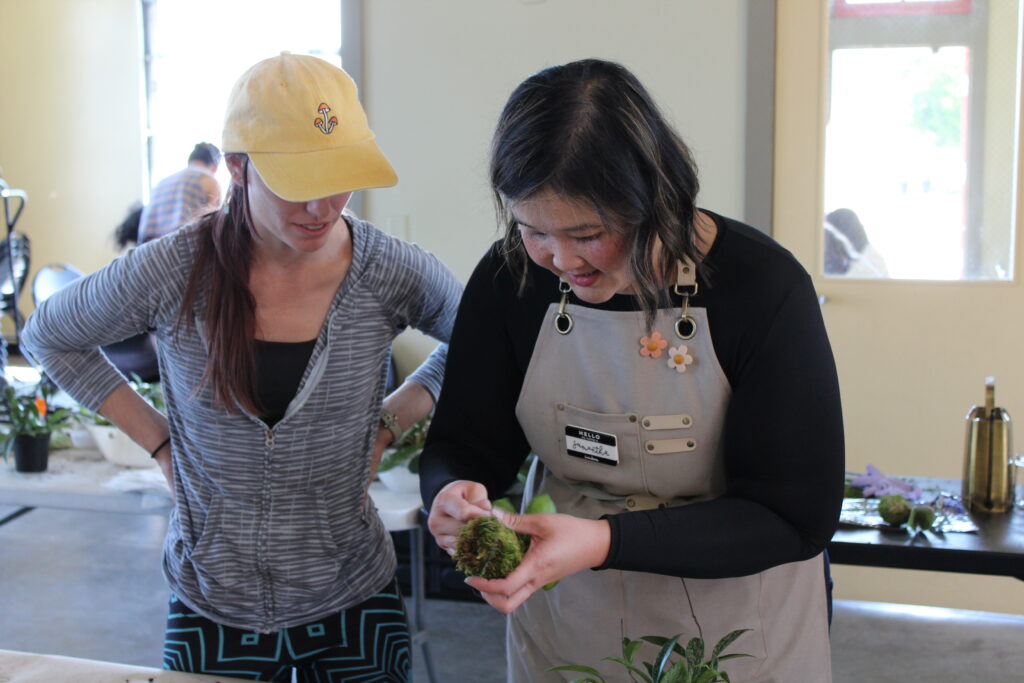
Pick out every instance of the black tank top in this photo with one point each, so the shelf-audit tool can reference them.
(279, 370)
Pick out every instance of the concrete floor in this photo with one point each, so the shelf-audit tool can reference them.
(86, 584)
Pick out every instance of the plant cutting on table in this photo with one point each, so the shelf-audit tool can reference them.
(406, 451)
(876, 500)
(399, 467)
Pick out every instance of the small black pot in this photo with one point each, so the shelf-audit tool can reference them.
(31, 452)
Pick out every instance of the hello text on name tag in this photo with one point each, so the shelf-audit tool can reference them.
(591, 445)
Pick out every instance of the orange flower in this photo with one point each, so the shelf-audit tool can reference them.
(651, 346)
(41, 406)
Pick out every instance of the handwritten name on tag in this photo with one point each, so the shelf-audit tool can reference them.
(591, 445)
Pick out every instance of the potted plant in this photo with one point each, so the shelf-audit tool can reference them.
(30, 419)
(400, 466)
(116, 446)
(688, 667)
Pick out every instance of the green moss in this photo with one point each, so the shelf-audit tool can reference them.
(487, 548)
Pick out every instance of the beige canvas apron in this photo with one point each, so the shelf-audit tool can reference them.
(643, 434)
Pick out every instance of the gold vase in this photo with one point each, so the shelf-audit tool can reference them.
(988, 476)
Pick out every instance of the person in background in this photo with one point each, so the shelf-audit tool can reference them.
(847, 241)
(839, 252)
(670, 368)
(275, 317)
(126, 234)
(183, 196)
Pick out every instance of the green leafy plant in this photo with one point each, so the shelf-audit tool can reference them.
(688, 667)
(151, 391)
(406, 451)
(29, 414)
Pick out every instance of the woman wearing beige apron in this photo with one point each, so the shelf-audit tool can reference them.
(670, 368)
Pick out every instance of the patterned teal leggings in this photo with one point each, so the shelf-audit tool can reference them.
(366, 643)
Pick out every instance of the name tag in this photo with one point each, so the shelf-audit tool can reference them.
(591, 445)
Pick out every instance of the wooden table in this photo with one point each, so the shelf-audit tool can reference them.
(997, 548)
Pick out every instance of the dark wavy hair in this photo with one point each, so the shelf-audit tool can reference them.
(220, 279)
(589, 130)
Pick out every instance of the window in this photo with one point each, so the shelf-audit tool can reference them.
(919, 140)
(196, 49)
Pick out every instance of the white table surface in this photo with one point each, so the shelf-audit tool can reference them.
(84, 480)
(28, 667)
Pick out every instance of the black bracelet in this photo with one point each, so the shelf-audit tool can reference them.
(156, 450)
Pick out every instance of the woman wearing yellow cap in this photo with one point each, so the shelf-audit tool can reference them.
(274, 318)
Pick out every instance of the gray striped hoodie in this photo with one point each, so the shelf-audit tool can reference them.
(271, 528)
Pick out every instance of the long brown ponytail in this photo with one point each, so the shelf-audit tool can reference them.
(221, 273)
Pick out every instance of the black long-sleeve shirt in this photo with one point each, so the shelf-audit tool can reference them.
(782, 436)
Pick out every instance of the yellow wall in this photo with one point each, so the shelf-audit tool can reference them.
(70, 123)
(907, 377)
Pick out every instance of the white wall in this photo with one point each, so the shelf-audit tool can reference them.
(437, 74)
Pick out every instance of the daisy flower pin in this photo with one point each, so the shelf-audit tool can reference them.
(679, 357)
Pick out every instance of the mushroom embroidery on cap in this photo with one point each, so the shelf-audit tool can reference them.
(679, 357)
(651, 347)
(325, 128)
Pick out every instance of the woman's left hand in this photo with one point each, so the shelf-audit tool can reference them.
(561, 545)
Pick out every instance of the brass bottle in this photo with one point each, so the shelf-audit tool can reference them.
(988, 477)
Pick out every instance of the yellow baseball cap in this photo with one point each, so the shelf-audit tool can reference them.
(299, 120)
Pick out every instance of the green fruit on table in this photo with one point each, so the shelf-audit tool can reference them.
(505, 504)
(541, 504)
(851, 491)
(921, 517)
(894, 509)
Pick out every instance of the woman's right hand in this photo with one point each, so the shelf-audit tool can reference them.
(454, 505)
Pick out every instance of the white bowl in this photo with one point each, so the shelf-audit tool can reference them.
(400, 479)
(81, 438)
(119, 449)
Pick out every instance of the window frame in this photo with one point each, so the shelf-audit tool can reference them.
(900, 8)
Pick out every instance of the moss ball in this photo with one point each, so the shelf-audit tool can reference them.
(486, 547)
(894, 509)
(924, 517)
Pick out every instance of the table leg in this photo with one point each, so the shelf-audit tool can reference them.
(419, 633)
(14, 515)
